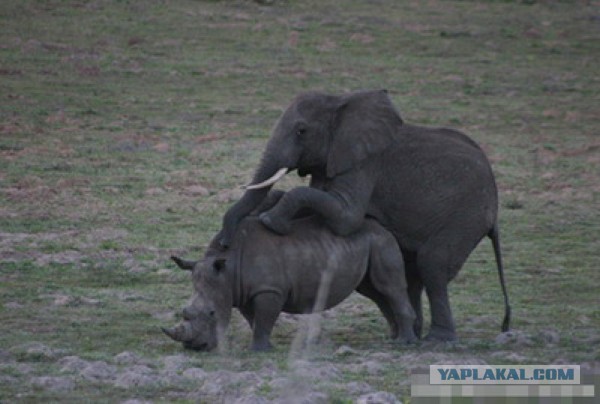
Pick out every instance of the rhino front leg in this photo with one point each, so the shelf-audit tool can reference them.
(266, 307)
(248, 315)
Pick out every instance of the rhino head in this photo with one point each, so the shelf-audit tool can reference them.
(206, 318)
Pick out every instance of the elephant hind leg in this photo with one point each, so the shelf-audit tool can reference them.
(438, 263)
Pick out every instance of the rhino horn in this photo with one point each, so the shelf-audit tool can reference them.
(179, 333)
(183, 264)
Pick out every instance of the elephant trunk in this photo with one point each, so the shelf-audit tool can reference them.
(265, 176)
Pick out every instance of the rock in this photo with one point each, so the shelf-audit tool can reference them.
(137, 376)
(550, 336)
(175, 363)
(99, 371)
(382, 357)
(345, 350)
(368, 367)
(6, 380)
(515, 357)
(251, 399)
(269, 369)
(74, 301)
(154, 191)
(36, 352)
(513, 337)
(461, 361)
(134, 266)
(509, 356)
(195, 190)
(90, 302)
(380, 397)
(53, 383)
(141, 369)
(229, 195)
(162, 147)
(127, 358)
(63, 300)
(13, 305)
(6, 356)
(296, 390)
(280, 384)
(72, 364)
(195, 373)
(357, 388)
(165, 315)
(221, 381)
(311, 397)
(64, 257)
(314, 371)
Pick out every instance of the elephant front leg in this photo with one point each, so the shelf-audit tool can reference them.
(342, 214)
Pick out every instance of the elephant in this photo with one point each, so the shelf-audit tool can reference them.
(432, 188)
(311, 269)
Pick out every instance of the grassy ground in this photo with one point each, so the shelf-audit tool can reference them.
(126, 127)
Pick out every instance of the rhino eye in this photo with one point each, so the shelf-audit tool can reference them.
(219, 265)
(212, 313)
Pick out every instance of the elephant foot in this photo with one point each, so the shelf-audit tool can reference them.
(261, 346)
(278, 226)
(437, 334)
(405, 341)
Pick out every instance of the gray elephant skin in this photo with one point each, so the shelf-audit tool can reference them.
(263, 274)
(432, 188)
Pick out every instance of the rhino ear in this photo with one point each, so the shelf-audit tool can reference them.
(184, 264)
(219, 264)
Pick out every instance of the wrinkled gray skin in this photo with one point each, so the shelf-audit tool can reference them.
(263, 274)
(432, 188)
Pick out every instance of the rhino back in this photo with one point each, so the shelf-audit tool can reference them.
(296, 264)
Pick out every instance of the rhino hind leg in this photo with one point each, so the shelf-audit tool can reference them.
(366, 289)
(415, 293)
(385, 284)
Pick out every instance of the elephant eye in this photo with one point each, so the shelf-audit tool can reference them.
(300, 131)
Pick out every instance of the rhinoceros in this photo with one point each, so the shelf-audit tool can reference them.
(263, 274)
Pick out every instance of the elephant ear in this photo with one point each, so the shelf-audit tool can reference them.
(364, 125)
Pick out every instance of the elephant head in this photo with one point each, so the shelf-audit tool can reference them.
(207, 316)
(319, 134)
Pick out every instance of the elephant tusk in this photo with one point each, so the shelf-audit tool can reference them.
(268, 182)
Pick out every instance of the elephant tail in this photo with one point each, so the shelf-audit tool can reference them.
(494, 235)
